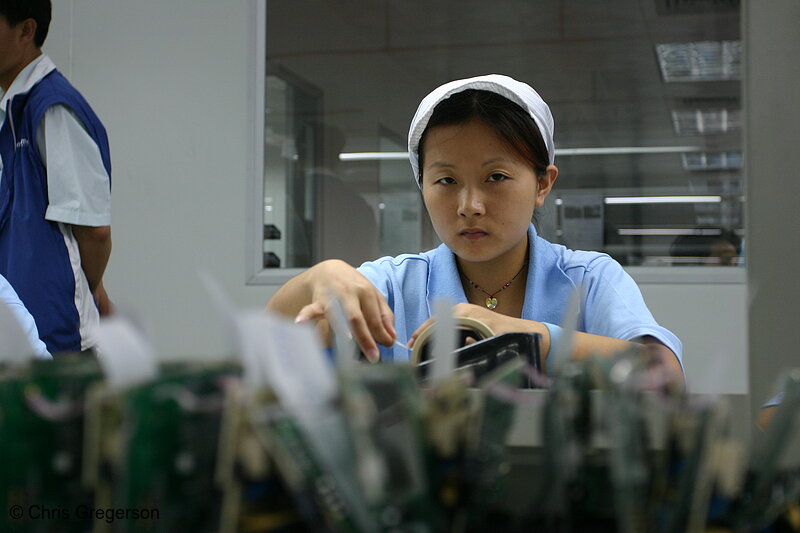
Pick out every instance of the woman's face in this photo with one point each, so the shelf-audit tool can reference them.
(479, 192)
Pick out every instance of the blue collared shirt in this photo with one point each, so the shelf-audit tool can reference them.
(611, 303)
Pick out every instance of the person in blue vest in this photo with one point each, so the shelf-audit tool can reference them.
(55, 186)
(482, 153)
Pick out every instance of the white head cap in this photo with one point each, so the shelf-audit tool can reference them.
(516, 91)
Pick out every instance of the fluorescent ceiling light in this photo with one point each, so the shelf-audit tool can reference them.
(613, 150)
(623, 150)
(668, 231)
(372, 156)
(662, 199)
(706, 121)
(700, 61)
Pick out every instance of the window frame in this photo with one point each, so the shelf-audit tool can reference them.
(256, 274)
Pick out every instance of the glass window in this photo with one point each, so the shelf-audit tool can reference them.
(645, 95)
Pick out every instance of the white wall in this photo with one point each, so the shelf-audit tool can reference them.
(711, 321)
(169, 80)
(171, 84)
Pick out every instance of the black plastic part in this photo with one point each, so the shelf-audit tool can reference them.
(271, 260)
(271, 232)
(484, 356)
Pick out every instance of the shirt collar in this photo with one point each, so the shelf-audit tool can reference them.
(548, 287)
(26, 79)
(443, 278)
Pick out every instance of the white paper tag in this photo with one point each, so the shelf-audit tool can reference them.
(126, 357)
(289, 358)
(223, 304)
(562, 351)
(252, 331)
(346, 351)
(444, 342)
(15, 348)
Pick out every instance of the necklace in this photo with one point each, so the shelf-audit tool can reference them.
(491, 301)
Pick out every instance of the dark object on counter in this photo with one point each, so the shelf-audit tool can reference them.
(483, 356)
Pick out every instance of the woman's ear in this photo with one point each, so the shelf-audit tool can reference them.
(546, 182)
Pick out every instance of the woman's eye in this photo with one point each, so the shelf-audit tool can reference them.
(497, 177)
(446, 181)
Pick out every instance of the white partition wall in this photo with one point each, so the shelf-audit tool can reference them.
(772, 137)
(170, 80)
(711, 321)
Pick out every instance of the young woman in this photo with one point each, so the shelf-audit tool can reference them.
(482, 153)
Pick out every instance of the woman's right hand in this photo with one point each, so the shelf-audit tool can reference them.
(368, 315)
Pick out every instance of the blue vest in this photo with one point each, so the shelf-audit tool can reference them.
(33, 255)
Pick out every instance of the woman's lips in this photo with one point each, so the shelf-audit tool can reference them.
(473, 234)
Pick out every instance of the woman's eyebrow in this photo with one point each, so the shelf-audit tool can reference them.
(442, 164)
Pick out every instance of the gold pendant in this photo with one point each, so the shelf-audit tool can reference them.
(491, 303)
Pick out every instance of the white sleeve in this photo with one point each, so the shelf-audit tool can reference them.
(8, 296)
(79, 188)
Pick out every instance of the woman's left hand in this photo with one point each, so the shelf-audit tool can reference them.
(498, 323)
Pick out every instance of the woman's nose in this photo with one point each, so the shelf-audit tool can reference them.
(470, 203)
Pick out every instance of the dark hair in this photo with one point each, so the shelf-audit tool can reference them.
(701, 243)
(15, 11)
(511, 122)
